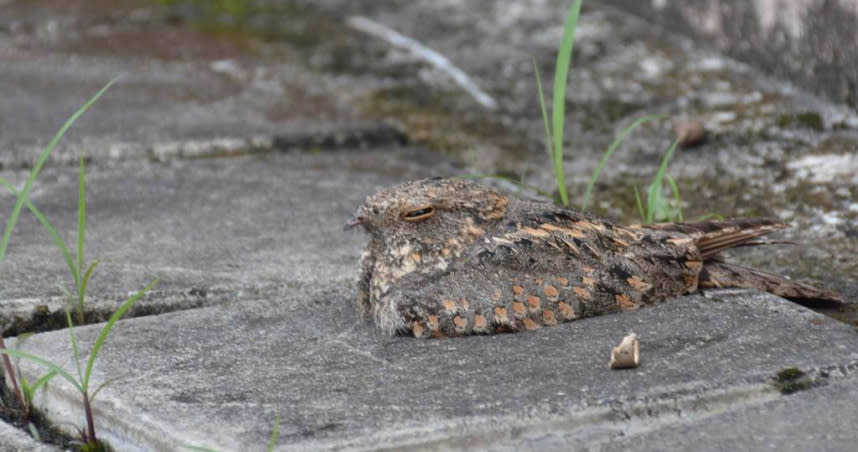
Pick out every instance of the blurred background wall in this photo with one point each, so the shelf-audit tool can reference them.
(814, 43)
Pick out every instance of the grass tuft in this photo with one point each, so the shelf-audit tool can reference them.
(43, 158)
(558, 106)
(82, 381)
(657, 207)
(610, 151)
(22, 199)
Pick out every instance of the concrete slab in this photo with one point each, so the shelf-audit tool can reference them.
(217, 376)
(14, 440)
(820, 420)
(212, 230)
(181, 88)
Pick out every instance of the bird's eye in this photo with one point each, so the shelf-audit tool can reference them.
(419, 214)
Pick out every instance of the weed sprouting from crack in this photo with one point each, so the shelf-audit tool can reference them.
(656, 206)
(81, 274)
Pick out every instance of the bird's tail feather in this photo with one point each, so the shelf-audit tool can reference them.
(716, 274)
(712, 237)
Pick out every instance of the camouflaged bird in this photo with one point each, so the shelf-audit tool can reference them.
(451, 257)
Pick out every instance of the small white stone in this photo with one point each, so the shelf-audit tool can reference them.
(229, 67)
(711, 64)
(724, 116)
(627, 354)
(832, 219)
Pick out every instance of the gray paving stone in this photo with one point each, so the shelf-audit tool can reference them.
(217, 376)
(822, 419)
(162, 106)
(14, 440)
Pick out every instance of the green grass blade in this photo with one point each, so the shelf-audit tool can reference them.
(84, 283)
(28, 185)
(610, 151)
(81, 223)
(639, 204)
(61, 244)
(275, 433)
(558, 108)
(655, 193)
(46, 378)
(100, 387)
(65, 292)
(102, 336)
(675, 189)
(710, 215)
(26, 391)
(25, 386)
(545, 122)
(44, 362)
(652, 194)
(75, 348)
(34, 432)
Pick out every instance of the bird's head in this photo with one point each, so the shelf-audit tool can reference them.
(423, 225)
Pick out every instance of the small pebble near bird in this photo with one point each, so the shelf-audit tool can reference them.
(451, 257)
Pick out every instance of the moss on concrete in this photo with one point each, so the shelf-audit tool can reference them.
(791, 380)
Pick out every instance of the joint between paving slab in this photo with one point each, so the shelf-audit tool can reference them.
(40, 314)
(599, 423)
(362, 135)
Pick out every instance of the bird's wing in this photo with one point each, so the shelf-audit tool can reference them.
(712, 237)
(646, 265)
(545, 267)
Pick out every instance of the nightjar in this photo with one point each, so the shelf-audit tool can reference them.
(451, 257)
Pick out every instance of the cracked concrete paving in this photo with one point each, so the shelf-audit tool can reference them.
(212, 230)
(218, 376)
(181, 93)
(250, 250)
(286, 340)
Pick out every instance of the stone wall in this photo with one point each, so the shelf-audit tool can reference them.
(813, 43)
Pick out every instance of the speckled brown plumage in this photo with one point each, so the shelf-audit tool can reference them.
(451, 257)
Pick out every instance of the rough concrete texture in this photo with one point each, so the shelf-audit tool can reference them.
(14, 440)
(825, 417)
(183, 94)
(811, 42)
(217, 376)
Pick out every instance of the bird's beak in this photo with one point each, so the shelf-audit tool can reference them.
(355, 221)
